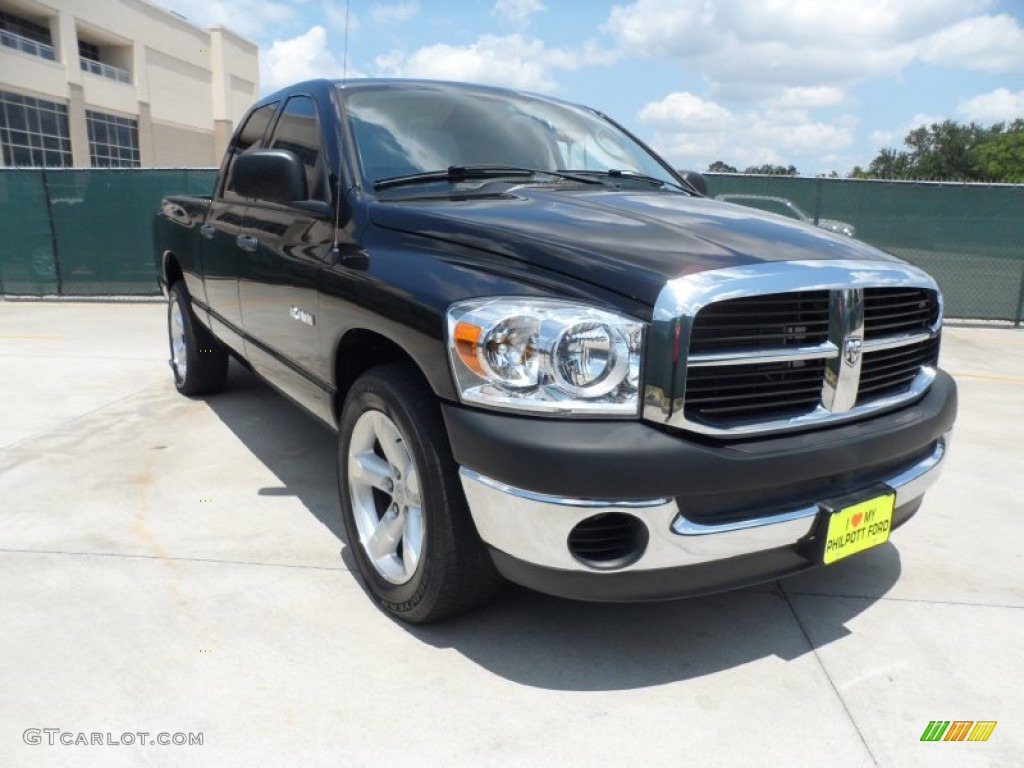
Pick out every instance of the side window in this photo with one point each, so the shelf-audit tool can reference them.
(251, 135)
(298, 130)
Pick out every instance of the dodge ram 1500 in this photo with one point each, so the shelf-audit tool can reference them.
(548, 357)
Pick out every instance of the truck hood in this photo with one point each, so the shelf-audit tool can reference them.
(630, 242)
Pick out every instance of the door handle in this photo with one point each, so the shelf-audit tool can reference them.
(208, 231)
(247, 243)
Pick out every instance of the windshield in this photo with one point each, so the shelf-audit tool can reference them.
(416, 129)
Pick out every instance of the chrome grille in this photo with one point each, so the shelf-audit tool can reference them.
(895, 310)
(892, 371)
(754, 391)
(790, 345)
(774, 320)
(743, 390)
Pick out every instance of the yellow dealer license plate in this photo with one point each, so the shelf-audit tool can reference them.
(858, 527)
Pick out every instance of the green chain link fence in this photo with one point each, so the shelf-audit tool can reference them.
(88, 232)
(85, 232)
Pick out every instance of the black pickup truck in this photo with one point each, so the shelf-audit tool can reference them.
(548, 356)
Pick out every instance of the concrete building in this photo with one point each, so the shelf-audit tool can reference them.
(118, 83)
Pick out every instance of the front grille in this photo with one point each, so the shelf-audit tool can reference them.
(890, 371)
(728, 384)
(754, 391)
(890, 311)
(773, 320)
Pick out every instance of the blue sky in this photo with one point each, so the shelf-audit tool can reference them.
(820, 84)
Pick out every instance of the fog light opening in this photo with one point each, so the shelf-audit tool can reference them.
(608, 540)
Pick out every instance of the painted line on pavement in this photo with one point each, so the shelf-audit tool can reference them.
(986, 377)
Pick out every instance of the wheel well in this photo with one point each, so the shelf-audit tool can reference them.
(359, 351)
(172, 269)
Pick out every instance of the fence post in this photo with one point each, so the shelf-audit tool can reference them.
(53, 233)
(1020, 299)
(817, 200)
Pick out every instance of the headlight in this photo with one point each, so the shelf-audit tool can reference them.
(545, 355)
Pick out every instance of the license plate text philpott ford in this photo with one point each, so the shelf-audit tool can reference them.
(858, 527)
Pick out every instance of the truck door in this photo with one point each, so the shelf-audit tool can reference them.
(286, 245)
(219, 245)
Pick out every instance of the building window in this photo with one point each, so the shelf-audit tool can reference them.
(88, 51)
(91, 59)
(105, 70)
(113, 140)
(26, 36)
(34, 132)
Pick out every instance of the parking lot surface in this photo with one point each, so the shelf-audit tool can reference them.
(176, 566)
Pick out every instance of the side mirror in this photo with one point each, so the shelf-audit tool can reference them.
(696, 180)
(275, 175)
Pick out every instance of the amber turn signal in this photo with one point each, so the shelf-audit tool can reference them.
(467, 337)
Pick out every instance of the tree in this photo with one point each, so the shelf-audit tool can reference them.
(946, 151)
(1002, 157)
(949, 151)
(719, 167)
(772, 170)
(890, 164)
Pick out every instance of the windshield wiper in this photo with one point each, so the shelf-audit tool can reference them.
(617, 173)
(465, 172)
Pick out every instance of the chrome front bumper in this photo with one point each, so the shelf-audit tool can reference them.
(535, 528)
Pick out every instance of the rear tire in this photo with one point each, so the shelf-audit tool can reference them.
(405, 514)
(198, 360)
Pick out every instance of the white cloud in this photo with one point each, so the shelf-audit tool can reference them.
(884, 138)
(511, 60)
(816, 96)
(797, 131)
(249, 18)
(517, 11)
(807, 52)
(1000, 105)
(389, 14)
(986, 43)
(686, 110)
(304, 57)
(660, 27)
(693, 132)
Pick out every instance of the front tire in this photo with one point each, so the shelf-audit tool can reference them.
(199, 362)
(407, 522)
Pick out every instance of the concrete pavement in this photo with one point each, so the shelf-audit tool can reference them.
(178, 566)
